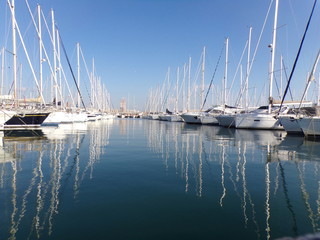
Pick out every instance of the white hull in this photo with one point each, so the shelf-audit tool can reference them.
(191, 118)
(95, 116)
(155, 117)
(59, 117)
(80, 117)
(55, 118)
(310, 126)
(290, 124)
(257, 121)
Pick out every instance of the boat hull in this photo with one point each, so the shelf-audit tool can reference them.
(257, 121)
(193, 118)
(28, 120)
(310, 126)
(290, 125)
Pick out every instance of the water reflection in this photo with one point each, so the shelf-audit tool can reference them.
(36, 169)
(240, 164)
(264, 184)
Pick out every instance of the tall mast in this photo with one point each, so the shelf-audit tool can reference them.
(54, 59)
(59, 71)
(189, 82)
(225, 75)
(248, 71)
(14, 52)
(93, 84)
(40, 46)
(177, 90)
(281, 70)
(318, 95)
(183, 87)
(166, 92)
(2, 70)
(202, 73)
(78, 67)
(273, 50)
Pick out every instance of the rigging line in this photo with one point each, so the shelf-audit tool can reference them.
(285, 72)
(310, 79)
(243, 88)
(258, 43)
(86, 67)
(298, 54)
(276, 82)
(238, 66)
(74, 79)
(214, 73)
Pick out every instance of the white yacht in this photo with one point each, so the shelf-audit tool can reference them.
(259, 119)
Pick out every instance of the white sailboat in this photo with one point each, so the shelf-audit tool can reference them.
(264, 117)
(201, 117)
(227, 118)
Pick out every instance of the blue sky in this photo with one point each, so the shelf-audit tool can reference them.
(134, 42)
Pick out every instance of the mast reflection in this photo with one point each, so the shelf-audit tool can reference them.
(36, 168)
(243, 167)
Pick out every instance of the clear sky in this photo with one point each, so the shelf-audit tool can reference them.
(133, 42)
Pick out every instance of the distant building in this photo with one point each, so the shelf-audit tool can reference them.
(123, 105)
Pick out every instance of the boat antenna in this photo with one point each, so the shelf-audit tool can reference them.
(297, 57)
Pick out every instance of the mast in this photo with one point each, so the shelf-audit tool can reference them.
(177, 90)
(183, 87)
(14, 52)
(54, 58)
(189, 82)
(59, 69)
(78, 67)
(318, 95)
(40, 46)
(2, 70)
(241, 101)
(92, 84)
(202, 73)
(281, 71)
(225, 76)
(248, 71)
(273, 50)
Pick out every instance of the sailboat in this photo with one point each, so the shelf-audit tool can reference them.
(265, 116)
(202, 117)
(29, 116)
(227, 118)
(168, 115)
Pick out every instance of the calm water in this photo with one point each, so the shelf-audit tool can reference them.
(142, 179)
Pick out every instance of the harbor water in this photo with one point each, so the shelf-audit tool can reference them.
(145, 179)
